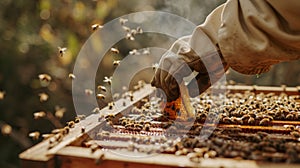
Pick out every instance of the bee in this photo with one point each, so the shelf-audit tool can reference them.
(124, 103)
(96, 110)
(96, 26)
(62, 51)
(125, 28)
(123, 21)
(6, 129)
(136, 87)
(210, 154)
(77, 119)
(52, 140)
(71, 124)
(107, 80)
(2, 94)
(65, 130)
(43, 97)
(146, 51)
(236, 120)
(129, 37)
(82, 129)
(138, 127)
(115, 50)
(100, 96)
(139, 30)
(226, 120)
(133, 32)
(195, 157)
(290, 127)
(45, 78)
(58, 137)
(264, 121)
(130, 96)
(111, 105)
(136, 110)
(59, 112)
(109, 117)
(129, 126)
(155, 66)
(147, 127)
(34, 135)
(289, 117)
(38, 115)
(116, 63)
(88, 92)
(246, 117)
(295, 134)
(124, 122)
(102, 88)
(72, 76)
(134, 52)
(116, 95)
(251, 120)
(46, 136)
(183, 151)
(81, 117)
(56, 131)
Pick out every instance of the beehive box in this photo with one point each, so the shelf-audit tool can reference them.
(256, 128)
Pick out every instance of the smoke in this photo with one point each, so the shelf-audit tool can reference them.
(194, 10)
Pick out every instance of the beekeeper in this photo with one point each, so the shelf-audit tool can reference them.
(248, 36)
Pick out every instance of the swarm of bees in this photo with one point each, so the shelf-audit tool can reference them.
(130, 33)
(228, 142)
(45, 80)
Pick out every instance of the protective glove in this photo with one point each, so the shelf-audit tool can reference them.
(181, 61)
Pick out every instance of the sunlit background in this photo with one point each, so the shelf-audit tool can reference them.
(32, 31)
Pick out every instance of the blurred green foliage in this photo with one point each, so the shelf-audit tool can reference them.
(32, 31)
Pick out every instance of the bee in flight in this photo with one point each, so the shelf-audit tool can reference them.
(62, 51)
(96, 27)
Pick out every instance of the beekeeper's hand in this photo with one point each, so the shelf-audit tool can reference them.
(181, 60)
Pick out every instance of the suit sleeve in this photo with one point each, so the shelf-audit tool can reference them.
(255, 34)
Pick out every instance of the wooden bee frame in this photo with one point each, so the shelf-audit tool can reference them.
(69, 153)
